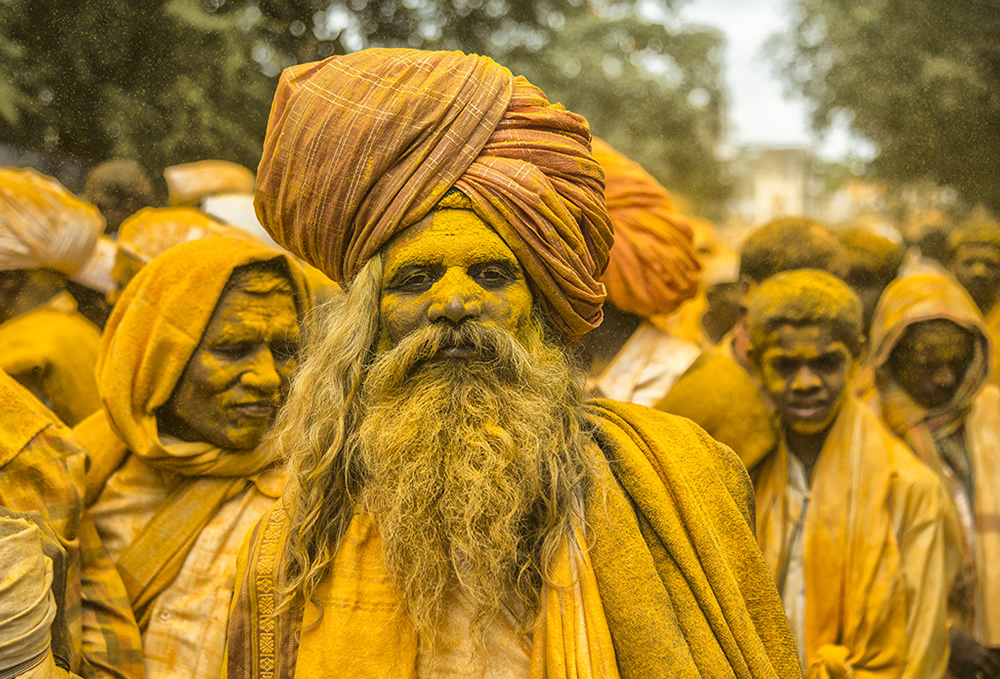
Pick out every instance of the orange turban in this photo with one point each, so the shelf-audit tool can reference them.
(360, 147)
(653, 265)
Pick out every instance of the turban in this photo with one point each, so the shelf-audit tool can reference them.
(44, 226)
(190, 182)
(360, 147)
(152, 230)
(653, 267)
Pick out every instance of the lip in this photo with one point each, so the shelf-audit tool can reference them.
(805, 411)
(459, 351)
(255, 409)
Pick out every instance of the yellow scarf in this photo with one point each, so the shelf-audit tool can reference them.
(855, 615)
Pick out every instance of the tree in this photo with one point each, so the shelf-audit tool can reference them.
(919, 78)
(174, 80)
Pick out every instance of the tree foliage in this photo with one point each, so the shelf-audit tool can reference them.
(920, 78)
(167, 81)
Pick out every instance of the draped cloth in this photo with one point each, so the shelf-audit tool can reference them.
(683, 588)
(875, 571)
(653, 267)
(359, 147)
(44, 226)
(149, 339)
(956, 439)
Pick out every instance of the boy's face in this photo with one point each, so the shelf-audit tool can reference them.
(805, 370)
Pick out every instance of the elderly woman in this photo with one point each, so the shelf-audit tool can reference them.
(194, 362)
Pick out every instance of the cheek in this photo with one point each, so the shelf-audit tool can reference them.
(399, 318)
(209, 375)
(510, 308)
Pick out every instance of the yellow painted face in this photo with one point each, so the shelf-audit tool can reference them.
(931, 359)
(805, 370)
(452, 268)
(239, 374)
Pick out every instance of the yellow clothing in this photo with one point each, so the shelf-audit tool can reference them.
(993, 332)
(41, 469)
(721, 397)
(174, 512)
(683, 588)
(52, 350)
(959, 440)
(646, 367)
(876, 577)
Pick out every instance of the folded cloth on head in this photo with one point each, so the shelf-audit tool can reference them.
(187, 183)
(27, 607)
(44, 226)
(360, 147)
(653, 266)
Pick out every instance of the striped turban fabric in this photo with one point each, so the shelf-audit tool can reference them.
(653, 266)
(360, 147)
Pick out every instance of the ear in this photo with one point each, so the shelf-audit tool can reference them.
(753, 359)
(861, 350)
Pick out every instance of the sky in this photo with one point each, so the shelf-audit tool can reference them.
(760, 110)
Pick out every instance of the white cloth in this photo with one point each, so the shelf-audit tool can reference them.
(27, 606)
(793, 584)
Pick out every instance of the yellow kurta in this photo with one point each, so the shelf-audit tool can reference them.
(671, 573)
(876, 573)
(52, 350)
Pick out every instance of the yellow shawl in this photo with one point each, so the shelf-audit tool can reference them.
(925, 297)
(856, 615)
(684, 590)
(149, 339)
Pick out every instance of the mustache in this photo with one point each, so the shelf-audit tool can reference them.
(498, 348)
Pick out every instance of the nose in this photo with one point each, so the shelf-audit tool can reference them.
(805, 380)
(261, 372)
(979, 270)
(945, 377)
(456, 298)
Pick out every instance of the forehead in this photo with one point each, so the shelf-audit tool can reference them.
(978, 250)
(938, 338)
(254, 310)
(448, 237)
(803, 341)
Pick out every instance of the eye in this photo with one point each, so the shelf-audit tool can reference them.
(493, 275)
(233, 351)
(284, 351)
(829, 363)
(414, 280)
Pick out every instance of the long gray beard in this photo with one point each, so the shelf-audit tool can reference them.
(470, 466)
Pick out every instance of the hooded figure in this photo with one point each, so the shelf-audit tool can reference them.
(194, 361)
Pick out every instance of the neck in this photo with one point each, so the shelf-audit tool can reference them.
(806, 447)
(603, 343)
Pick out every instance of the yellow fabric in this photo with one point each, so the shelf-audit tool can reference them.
(684, 589)
(44, 226)
(722, 398)
(153, 230)
(876, 577)
(993, 332)
(52, 350)
(189, 182)
(926, 296)
(147, 343)
(361, 610)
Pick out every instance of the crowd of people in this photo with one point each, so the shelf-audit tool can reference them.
(451, 388)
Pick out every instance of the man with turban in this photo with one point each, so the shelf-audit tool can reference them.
(719, 390)
(851, 525)
(652, 269)
(456, 508)
(195, 359)
(974, 249)
(41, 471)
(46, 235)
(931, 359)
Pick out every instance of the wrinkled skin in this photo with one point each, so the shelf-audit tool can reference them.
(930, 361)
(239, 374)
(977, 268)
(451, 268)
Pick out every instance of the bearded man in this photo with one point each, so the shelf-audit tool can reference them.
(455, 508)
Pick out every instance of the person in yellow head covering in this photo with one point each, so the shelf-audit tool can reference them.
(974, 260)
(652, 269)
(189, 183)
(931, 355)
(455, 506)
(852, 526)
(195, 360)
(42, 472)
(46, 235)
